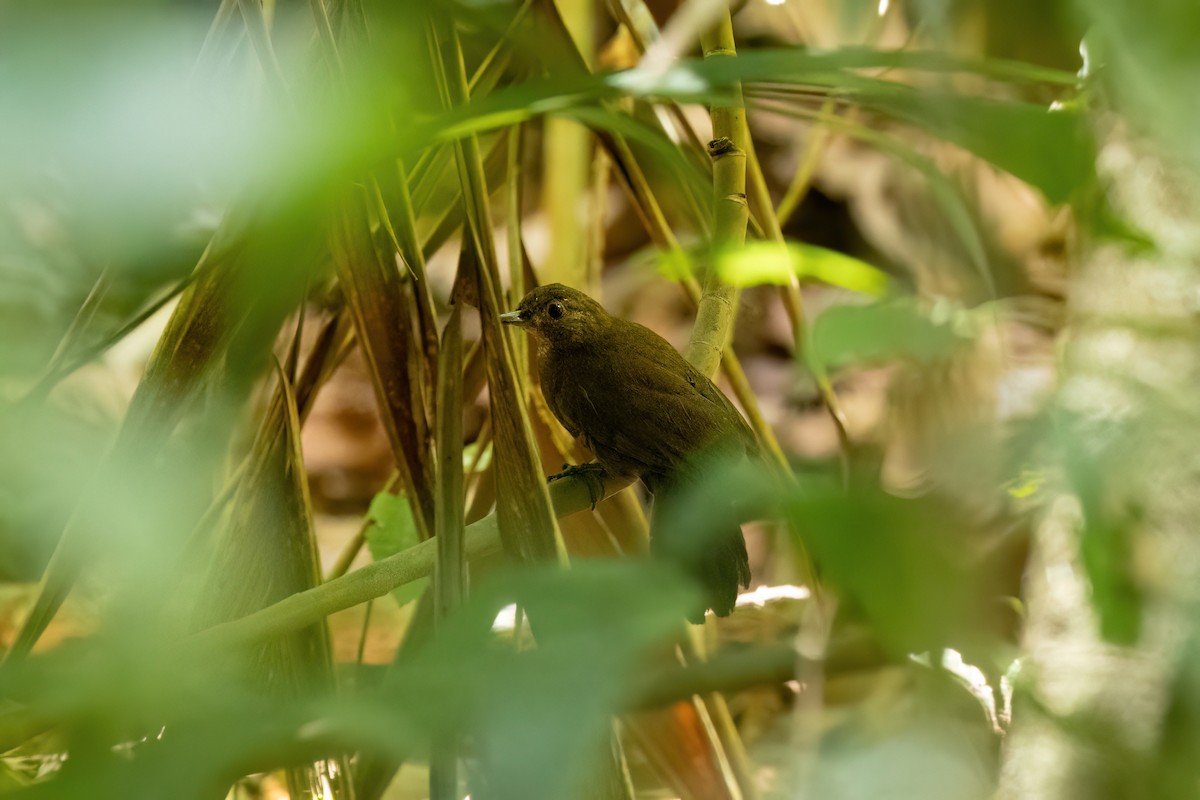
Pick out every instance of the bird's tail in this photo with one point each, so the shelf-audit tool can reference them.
(715, 555)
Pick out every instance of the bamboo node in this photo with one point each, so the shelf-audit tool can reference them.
(723, 146)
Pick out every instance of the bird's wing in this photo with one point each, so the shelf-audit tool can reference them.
(650, 410)
(710, 392)
(559, 410)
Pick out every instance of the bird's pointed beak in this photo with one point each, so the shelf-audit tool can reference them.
(512, 318)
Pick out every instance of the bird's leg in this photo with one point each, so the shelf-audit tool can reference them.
(592, 474)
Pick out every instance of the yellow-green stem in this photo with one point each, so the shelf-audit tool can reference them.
(718, 303)
(717, 309)
(568, 496)
(798, 189)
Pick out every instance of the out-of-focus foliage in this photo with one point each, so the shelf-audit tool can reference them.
(763, 262)
(212, 213)
(885, 330)
(161, 708)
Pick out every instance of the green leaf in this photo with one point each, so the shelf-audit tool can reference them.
(697, 79)
(392, 529)
(1145, 58)
(886, 331)
(1050, 148)
(1099, 471)
(900, 562)
(768, 262)
(675, 265)
(596, 625)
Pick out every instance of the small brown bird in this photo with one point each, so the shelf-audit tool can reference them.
(645, 412)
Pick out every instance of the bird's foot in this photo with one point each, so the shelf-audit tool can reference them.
(593, 475)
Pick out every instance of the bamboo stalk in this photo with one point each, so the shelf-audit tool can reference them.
(717, 308)
(718, 304)
(481, 539)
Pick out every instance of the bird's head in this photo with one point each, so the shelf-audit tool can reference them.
(558, 314)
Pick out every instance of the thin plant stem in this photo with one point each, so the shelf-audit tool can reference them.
(794, 305)
(717, 307)
(568, 496)
(797, 190)
(361, 650)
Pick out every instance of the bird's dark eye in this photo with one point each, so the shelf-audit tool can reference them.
(555, 310)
